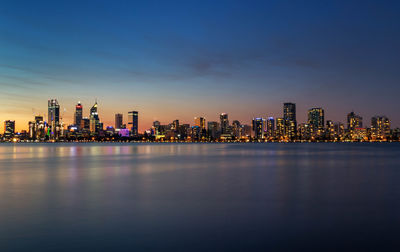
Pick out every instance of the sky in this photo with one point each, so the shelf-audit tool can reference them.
(180, 59)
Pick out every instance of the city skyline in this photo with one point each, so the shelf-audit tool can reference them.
(68, 116)
(185, 59)
(286, 129)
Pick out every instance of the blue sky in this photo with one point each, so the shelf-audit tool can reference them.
(181, 59)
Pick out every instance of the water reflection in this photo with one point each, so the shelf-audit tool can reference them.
(173, 195)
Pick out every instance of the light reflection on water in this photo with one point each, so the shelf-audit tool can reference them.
(198, 196)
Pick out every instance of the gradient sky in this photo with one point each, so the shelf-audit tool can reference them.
(180, 59)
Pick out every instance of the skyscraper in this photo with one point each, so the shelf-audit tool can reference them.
(380, 127)
(236, 128)
(354, 121)
(39, 127)
(133, 122)
(270, 127)
(94, 120)
(9, 129)
(78, 115)
(316, 120)
(259, 128)
(201, 122)
(289, 117)
(224, 123)
(54, 118)
(118, 121)
(212, 128)
(280, 128)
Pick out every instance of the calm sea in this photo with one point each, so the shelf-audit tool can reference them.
(200, 197)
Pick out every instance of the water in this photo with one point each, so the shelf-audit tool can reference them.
(199, 197)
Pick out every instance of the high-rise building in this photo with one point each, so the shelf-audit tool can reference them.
(380, 127)
(354, 121)
(339, 129)
(270, 127)
(118, 121)
(330, 130)
(224, 123)
(133, 122)
(200, 122)
(212, 128)
(236, 129)
(175, 125)
(9, 129)
(53, 118)
(40, 128)
(259, 128)
(316, 120)
(289, 117)
(85, 124)
(32, 130)
(78, 115)
(94, 119)
(280, 128)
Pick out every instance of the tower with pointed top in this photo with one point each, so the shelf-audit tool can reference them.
(94, 119)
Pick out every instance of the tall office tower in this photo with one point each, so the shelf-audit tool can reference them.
(118, 121)
(94, 119)
(289, 116)
(236, 126)
(175, 125)
(213, 128)
(85, 124)
(330, 130)
(54, 118)
(9, 129)
(316, 120)
(78, 115)
(339, 129)
(133, 122)
(39, 127)
(380, 127)
(200, 122)
(354, 121)
(304, 131)
(224, 123)
(259, 128)
(270, 127)
(280, 128)
(32, 130)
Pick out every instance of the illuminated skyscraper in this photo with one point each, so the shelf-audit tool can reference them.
(330, 130)
(316, 120)
(259, 128)
(380, 127)
(54, 118)
(224, 123)
(9, 129)
(270, 127)
(354, 121)
(78, 115)
(289, 117)
(236, 126)
(118, 121)
(40, 128)
(94, 120)
(32, 130)
(339, 129)
(280, 128)
(175, 125)
(212, 128)
(133, 122)
(200, 122)
(304, 131)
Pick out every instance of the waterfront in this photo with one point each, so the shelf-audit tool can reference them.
(204, 197)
